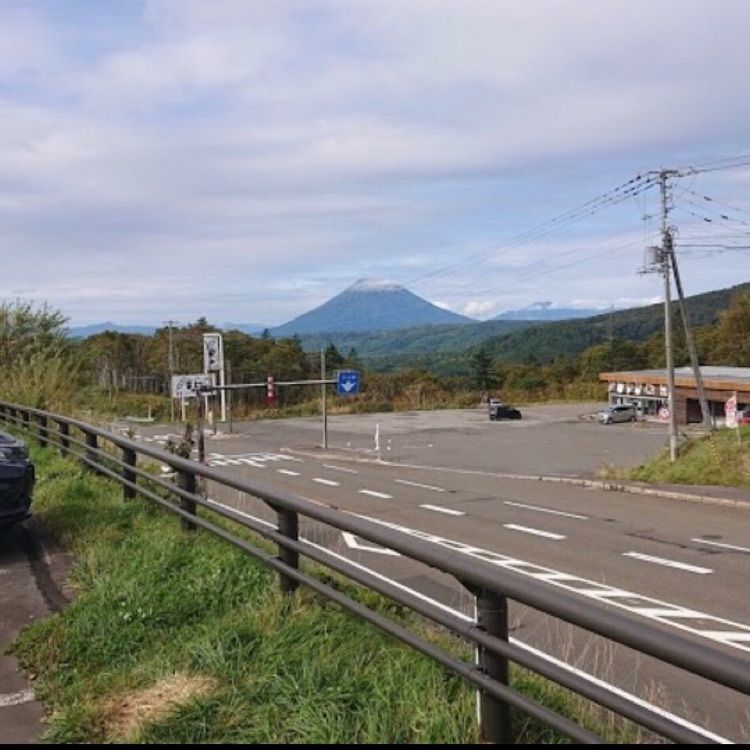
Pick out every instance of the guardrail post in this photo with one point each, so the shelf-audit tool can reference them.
(129, 457)
(186, 481)
(41, 435)
(3, 413)
(64, 430)
(91, 446)
(289, 527)
(495, 716)
(26, 421)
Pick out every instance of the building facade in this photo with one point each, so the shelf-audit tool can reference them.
(647, 390)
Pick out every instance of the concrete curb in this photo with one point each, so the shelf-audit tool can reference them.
(600, 484)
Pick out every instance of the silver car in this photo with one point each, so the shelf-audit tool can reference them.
(619, 413)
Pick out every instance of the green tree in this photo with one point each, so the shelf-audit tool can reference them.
(481, 369)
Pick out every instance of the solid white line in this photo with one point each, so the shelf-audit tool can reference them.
(418, 594)
(668, 563)
(720, 544)
(536, 532)
(340, 468)
(547, 510)
(422, 486)
(372, 493)
(329, 482)
(441, 509)
(16, 699)
(288, 472)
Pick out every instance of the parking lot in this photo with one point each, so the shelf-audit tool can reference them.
(558, 439)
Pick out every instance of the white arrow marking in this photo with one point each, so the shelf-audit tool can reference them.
(351, 541)
(348, 385)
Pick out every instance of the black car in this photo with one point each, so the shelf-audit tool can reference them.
(16, 480)
(503, 411)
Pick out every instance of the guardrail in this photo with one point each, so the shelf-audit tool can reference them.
(491, 587)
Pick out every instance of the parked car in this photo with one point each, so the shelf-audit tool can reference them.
(498, 410)
(743, 416)
(16, 480)
(619, 413)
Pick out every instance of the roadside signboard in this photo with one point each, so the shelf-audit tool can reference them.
(347, 383)
(664, 413)
(188, 386)
(730, 411)
(213, 352)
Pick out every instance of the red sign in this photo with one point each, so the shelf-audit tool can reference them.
(270, 391)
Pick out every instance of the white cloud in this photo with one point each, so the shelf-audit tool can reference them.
(243, 143)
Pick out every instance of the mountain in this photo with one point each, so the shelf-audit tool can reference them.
(568, 338)
(83, 332)
(545, 311)
(252, 329)
(369, 305)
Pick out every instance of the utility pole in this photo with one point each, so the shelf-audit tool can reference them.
(170, 366)
(690, 340)
(323, 397)
(666, 244)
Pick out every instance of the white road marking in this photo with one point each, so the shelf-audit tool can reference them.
(216, 462)
(16, 699)
(288, 472)
(351, 541)
(535, 532)
(329, 482)
(547, 510)
(441, 509)
(668, 563)
(372, 493)
(250, 462)
(422, 486)
(563, 665)
(723, 631)
(340, 468)
(721, 544)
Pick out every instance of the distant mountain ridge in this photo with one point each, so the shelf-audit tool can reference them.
(83, 332)
(546, 311)
(370, 305)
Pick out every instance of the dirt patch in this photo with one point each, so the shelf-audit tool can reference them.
(125, 714)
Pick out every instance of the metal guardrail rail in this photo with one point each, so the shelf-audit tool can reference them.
(491, 587)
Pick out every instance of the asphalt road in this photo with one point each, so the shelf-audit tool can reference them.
(681, 566)
(28, 592)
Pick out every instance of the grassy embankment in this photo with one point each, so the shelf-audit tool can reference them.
(719, 459)
(178, 638)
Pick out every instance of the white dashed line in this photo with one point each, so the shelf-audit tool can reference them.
(422, 486)
(340, 468)
(16, 699)
(288, 472)
(372, 493)
(547, 510)
(441, 509)
(668, 563)
(329, 482)
(720, 544)
(535, 532)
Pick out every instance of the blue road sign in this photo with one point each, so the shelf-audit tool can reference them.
(347, 383)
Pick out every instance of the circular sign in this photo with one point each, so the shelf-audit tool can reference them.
(663, 413)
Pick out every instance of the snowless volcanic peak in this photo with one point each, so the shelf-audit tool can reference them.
(373, 285)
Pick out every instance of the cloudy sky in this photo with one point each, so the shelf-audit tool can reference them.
(247, 160)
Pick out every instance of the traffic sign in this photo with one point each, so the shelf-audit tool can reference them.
(664, 413)
(347, 383)
(188, 386)
(213, 352)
